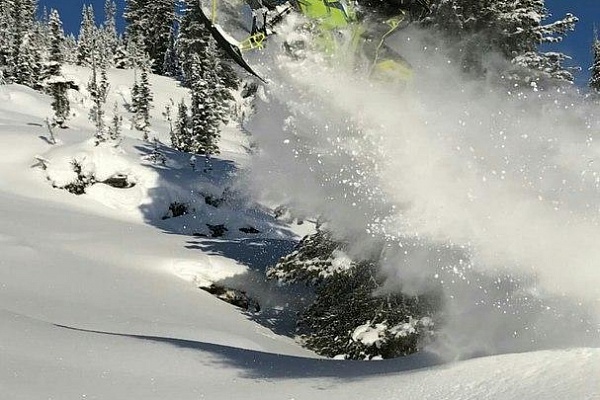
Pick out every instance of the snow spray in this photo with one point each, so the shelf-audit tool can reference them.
(482, 191)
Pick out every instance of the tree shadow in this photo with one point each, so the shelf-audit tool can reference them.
(256, 364)
(208, 188)
(279, 305)
(256, 253)
(254, 237)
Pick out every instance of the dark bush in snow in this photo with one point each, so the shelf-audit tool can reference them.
(348, 318)
(176, 209)
(119, 181)
(82, 181)
(213, 201)
(311, 262)
(236, 297)
(249, 230)
(217, 230)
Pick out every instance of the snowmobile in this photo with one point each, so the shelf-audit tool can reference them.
(332, 22)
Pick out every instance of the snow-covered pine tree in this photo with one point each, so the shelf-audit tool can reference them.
(514, 29)
(181, 133)
(206, 117)
(200, 67)
(55, 52)
(57, 86)
(594, 82)
(168, 114)
(153, 21)
(193, 42)
(98, 90)
(158, 40)
(134, 16)
(116, 126)
(6, 38)
(121, 58)
(135, 89)
(141, 100)
(136, 55)
(28, 66)
(5, 24)
(467, 25)
(24, 52)
(70, 49)
(42, 32)
(87, 41)
(523, 22)
(54, 82)
(171, 61)
(347, 318)
(145, 103)
(110, 36)
(312, 262)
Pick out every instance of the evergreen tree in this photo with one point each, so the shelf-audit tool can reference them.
(141, 101)
(57, 88)
(153, 21)
(23, 20)
(194, 43)
(133, 15)
(110, 37)
(135, 89)
(55, 52)
(136, 56)
(54, 83)
(197, 48)
(28, 66)
(98, 89)
(87, 42)
(69, 49)
(594, 82)
(181, 133)
(43, 35)
(171, 61)
(205, 120)
(145, 103)
(21, 53)
(514, 29)
(116, 126)
(201, 68)
(6, 40)
(526, 32)
(121, 57)
(346, 309)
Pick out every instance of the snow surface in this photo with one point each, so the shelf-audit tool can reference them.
(98, 296)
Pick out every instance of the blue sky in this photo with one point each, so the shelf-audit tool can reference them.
(577, 44)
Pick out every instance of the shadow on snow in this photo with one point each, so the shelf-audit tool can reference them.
(261, 365)
(203, 186)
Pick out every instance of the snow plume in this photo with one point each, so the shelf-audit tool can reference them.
(489, 195)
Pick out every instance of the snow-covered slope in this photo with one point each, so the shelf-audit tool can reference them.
(93, 304)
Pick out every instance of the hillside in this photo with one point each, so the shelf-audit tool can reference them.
(99, 296)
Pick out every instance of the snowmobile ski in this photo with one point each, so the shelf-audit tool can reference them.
(228, 44)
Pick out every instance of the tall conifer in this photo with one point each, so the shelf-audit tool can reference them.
(594, 82)
(87, 41)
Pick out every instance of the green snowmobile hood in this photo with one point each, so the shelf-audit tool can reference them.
(330, 14)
